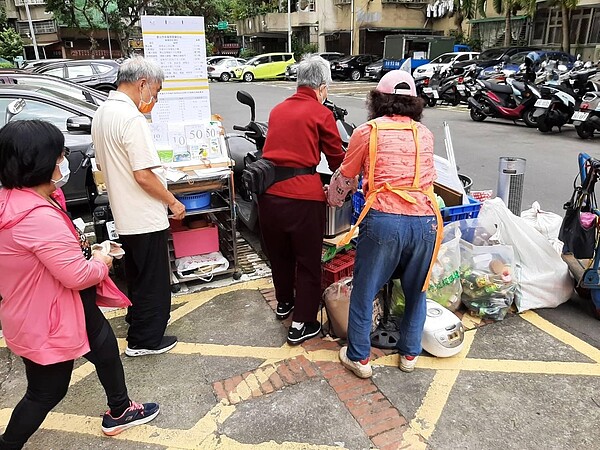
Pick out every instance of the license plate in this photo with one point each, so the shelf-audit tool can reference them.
(460, 87)
(435, 94)
(427, 90)
(580, 116)
(541, 103)
(112, 231)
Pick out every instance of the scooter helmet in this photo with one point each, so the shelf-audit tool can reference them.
(532, 59)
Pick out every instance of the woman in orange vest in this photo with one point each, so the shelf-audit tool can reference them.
(400, 225)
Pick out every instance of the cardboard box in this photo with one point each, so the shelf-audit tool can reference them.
(450, 196)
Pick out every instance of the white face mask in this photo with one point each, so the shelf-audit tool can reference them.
(64, 173)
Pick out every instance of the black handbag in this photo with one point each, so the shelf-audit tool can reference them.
(579, 241)
(261, 174)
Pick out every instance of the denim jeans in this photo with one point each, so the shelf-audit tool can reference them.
(390, 244)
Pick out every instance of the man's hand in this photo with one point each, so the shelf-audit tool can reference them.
(178, 209)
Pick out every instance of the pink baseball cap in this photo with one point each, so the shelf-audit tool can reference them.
(397, 82)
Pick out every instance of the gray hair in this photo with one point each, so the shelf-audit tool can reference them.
(136, 68)
(313, 71)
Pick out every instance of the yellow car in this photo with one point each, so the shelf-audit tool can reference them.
(267, 66)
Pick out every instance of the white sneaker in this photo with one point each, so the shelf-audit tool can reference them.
(166, 344)
(361, 370)
(407, 363)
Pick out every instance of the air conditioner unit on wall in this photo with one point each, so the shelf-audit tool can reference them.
(68, 44)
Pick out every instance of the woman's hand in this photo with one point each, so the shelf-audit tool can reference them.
(102, 257)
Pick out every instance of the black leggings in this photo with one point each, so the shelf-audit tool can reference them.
(47, 385)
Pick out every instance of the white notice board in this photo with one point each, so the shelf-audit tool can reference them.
(178, 45)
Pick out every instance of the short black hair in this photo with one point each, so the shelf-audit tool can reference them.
(29, 150)
(380, 104)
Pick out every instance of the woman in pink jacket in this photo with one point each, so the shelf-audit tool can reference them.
(51, 285)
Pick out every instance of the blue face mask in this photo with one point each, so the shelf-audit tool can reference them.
(65, 172)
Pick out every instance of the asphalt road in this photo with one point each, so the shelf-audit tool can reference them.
(551, 158)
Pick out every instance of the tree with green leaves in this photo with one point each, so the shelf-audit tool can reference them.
(11, 44)
(466, 9)
(510, 8)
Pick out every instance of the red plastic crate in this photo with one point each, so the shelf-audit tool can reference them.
(339, 267)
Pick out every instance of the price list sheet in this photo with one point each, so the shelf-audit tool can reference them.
(178, 45)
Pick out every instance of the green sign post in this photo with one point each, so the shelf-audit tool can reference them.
(222, 25)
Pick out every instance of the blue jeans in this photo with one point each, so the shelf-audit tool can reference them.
(390, 244)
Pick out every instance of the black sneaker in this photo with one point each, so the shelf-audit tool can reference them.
(136, 414)
(308, 330)
(167, 343)
(284, 310)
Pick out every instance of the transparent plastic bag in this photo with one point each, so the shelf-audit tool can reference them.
(445, 287)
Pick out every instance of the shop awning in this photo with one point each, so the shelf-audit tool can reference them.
(496, 19)
(332, 33)
(42, 44)
(403, 30)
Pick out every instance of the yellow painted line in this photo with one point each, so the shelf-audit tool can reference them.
(160, 33)
(532, 367)
(185, 88)
(81, 372)
(562, 335)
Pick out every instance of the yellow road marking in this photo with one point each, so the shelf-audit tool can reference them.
(565, 337)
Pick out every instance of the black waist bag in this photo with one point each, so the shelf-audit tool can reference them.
(260, 175)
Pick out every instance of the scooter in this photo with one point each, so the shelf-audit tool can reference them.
(587, 118)
(443, 87)
(423, 89)
(514, 100)
(247, 147)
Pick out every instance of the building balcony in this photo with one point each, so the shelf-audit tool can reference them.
(275, 23)
(395, 2)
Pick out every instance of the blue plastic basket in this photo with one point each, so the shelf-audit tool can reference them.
(454, 213)
(195, 201)
(358, 202)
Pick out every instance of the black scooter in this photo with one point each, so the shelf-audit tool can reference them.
(247, 147)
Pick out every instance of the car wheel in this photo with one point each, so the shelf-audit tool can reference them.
(105, 88)
(225, 76)
(248, 76)
(355, 75)
(584, 132)
(529, 118)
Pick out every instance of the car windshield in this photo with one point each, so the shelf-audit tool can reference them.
(493, 53)
(518, 58)
(222, 61)
(444, 59)
(345, 59)
(54, 86)
(252, 60)
(69, 99)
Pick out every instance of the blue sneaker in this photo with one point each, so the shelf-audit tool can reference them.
(136, 414)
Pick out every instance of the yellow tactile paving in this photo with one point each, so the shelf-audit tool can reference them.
(203, 435)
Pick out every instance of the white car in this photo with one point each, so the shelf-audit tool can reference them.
(443, 62)
(223, 69)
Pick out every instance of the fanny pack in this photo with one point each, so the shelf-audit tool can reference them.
(260, 175)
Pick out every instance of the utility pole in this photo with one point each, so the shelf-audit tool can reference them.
(31, 31)
(289, 18)
(108, 35)
(351, 27)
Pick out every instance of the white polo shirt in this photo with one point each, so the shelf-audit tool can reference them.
(123, 144)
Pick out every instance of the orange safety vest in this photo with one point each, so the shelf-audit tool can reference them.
(401, 191)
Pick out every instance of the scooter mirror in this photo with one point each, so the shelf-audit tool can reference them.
(587, 65)
(246, 99)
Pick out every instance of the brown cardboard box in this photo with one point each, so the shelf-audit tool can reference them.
(450, 196)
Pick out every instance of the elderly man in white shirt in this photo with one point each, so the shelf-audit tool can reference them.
(138, 195)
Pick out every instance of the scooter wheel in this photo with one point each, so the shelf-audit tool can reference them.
(584, 132)
(476, 115)
(431, 102)
(529, 118)
(543, 125)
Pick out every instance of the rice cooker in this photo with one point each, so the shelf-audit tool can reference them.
(444, 334)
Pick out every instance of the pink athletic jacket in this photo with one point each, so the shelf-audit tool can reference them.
(42, 271)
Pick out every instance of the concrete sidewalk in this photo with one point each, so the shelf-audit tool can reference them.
(233, 383)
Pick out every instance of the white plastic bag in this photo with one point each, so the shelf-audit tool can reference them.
(444, 286)
(203, 267)
(546, 222)
(543, 277)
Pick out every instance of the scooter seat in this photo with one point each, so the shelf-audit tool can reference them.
(519, 86)
(101, 200)
(500, 88)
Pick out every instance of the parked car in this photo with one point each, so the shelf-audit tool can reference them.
(443, 62)
(216, 59)
(491, 57)
(374, 71)
(512, 64)
(31, 64)
(64, 87)
(292, 69)
(99, 74)
(352, 67)
(73, 117)
(267, 66)
(223, 69)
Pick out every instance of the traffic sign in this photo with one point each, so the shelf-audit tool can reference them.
(222, 25)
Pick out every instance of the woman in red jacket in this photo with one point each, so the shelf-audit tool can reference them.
(292, 212)
(51, 285)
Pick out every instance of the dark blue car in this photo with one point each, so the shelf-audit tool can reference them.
(517, 59)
